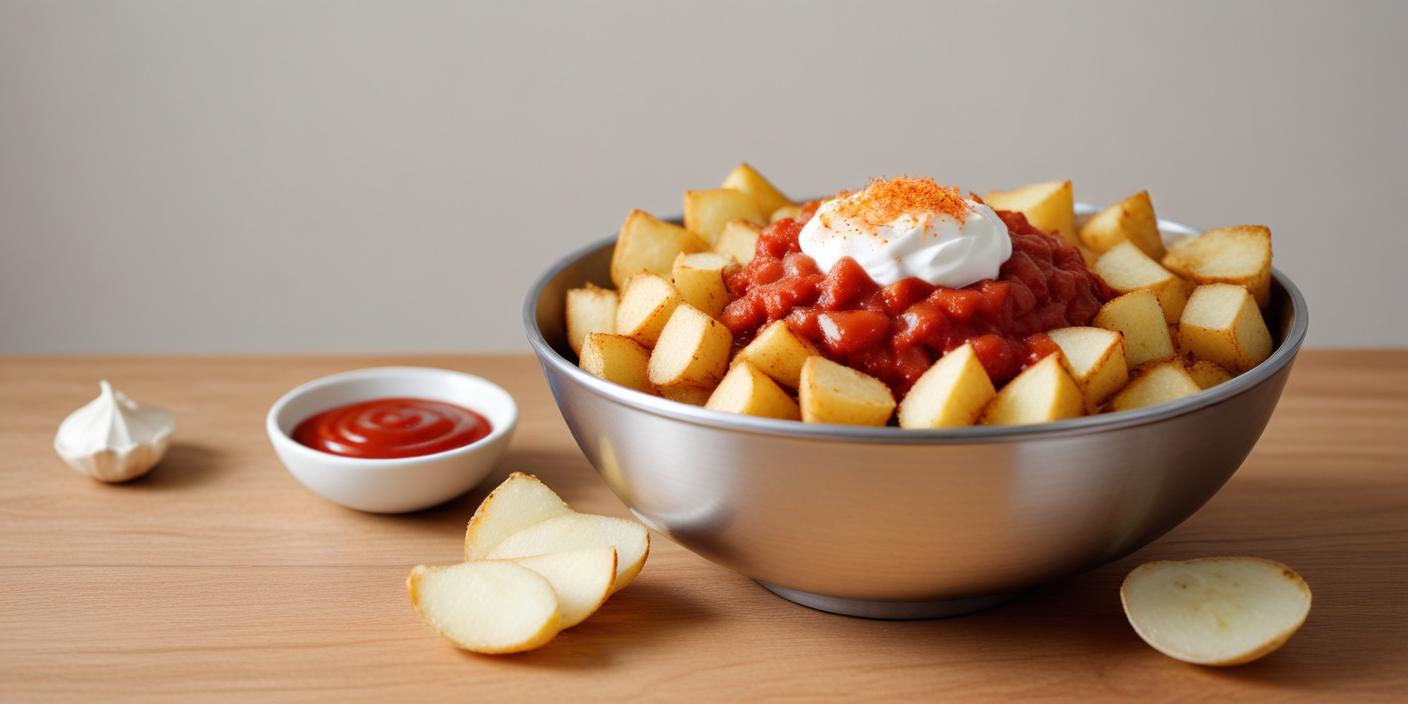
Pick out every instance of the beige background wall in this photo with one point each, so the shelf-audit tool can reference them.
(339, 176)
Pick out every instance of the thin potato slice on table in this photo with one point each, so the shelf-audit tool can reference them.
(1042, 393)
(1049, 206)
(706, 212)
(520, 501)
(951, 394)
(778, 352)
(1238, 255)
(747, 179)
(750, 392)
(646, 244)
(1126, 268)
(647, 302)
(1167, 381)
(617, 359)
(1130, 220)
(486, 607)
(578, 531)
(692, 350)
(1207, 374)
(582, 580)
(1094, 357)
(699, 278)
(739, 240)
(1139, 318)
(1222, 324)
(589, 309)
(834, 393)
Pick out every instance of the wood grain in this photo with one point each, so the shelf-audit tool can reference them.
(219, 577)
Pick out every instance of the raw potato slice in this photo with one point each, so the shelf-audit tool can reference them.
(1138, 317)
(747, 179)
(520, 501)
(1160, 383)
(739, 240)
(1042, 393)
(1207, 374)
(577, 531)
(649, 245)
(1126, 268)
(834, 393)
(1222, 324)
(590, 309)
(486, 607)
(1130, 220)
(647, 303)
(951, 394)
(617, 359)
(706, 212)
(1094, 357)
(699, 278)
(750, 392)
(1238, 255)
(1049, 206)
(692, 350)
(779, 353)
(581, 579)
(1217, 610)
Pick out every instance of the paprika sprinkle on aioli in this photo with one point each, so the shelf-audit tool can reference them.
(885, 200)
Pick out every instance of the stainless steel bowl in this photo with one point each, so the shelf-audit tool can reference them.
(892, 523)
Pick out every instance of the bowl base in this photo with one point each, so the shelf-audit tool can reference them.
(889, 610)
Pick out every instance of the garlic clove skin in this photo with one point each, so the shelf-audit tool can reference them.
(113, 438)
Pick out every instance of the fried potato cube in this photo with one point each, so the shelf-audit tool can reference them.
(1127, 268)
(738, 240)
(786, 211)
(646, 244)
(1130, 220)
(747, 179)
(1208, 374)
(699, 278)
(1094, 357)
(647, 302)
(835, 393)
(1138, 317)
(1042, 393)
(685, 393)
(1049, 206)
(589, 309)
(778, 352)
(950, 394)
(750, 392)
(1167, 381)
(692, 350)
(1223, 325)
(706, 212)
(1230, 255)
(617, 359)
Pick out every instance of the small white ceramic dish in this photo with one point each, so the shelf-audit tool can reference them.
(392, 485)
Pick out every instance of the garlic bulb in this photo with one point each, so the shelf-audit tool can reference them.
(113, 438)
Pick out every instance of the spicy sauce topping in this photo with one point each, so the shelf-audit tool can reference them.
(387, 428)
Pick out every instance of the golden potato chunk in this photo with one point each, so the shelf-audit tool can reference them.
(1138, 317)
(1127, 268)
(1167, 381)
(778, 352)
(1049, 206)
(589, 309)
(1042, 393)
(692, 350)
(746, 179)
(738, 240)
(1208, 374)
(692, 395)
(616, 358)
(700, 280)
(786, 211)
(647, 302)
(950, 394)
(1223, 325)
(648, 245)
(746, 390)
(1130, 220)
(706, 212)
(1094, 357)
(1230, 255)
(835, 393)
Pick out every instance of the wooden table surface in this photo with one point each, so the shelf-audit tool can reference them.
(218, 576)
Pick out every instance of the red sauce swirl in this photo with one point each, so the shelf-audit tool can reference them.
(387, 428)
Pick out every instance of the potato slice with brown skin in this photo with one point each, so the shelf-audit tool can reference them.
(647, 303)
(950, 394)
(577, 531)
(1130, 220)
(834, 393)
(747, 179)
(750, 392)
(1207, 374)
(520, 501)
(1218, 611)
(1094, 357)
(1222, 324)
(706, 212)
(739, 240)
(693, 350)
(646, 244)
(1238, 255)
(589, 309)
(699, 278)
(617, 359)
(1160, 383)
(486, 607)
(1042, 393)
(1139, 318)
(1126, 268)
(1049, 206)
(778, 352)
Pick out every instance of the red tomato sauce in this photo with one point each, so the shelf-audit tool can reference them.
(896, 332)
(387, 428)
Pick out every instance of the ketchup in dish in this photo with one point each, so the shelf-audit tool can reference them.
(388, 428)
